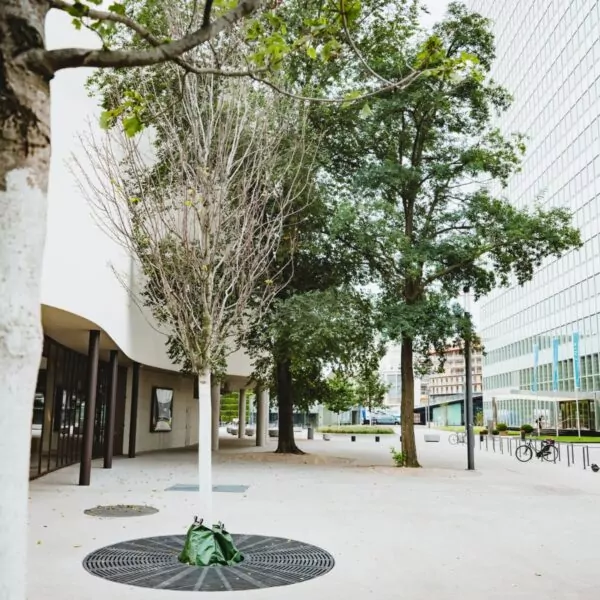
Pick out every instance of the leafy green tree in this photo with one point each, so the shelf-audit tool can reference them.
(305, 334)
(342, 394)
(428, 165)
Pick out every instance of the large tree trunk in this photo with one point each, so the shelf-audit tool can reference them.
(205, 426)
(285, 401)
(24, 165)
(409, 448)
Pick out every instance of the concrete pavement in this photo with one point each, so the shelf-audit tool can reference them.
(506, 531)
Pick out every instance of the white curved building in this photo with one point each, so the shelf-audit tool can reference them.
(82, 294)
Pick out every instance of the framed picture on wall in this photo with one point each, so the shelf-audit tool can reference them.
(161, 413)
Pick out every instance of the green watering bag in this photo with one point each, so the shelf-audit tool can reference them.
(205, 547)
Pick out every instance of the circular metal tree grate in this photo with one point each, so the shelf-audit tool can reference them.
(153, 563)
(121, 510)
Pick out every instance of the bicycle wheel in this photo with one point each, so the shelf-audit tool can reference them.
(453, 439)
(523, 453)
(550, 454)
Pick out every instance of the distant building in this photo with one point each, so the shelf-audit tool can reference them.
(389, 370)
(442, 394)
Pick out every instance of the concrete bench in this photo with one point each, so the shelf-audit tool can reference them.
(432, 437)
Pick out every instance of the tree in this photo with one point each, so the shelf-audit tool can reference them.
(203, 218)
(429, 166)
(305, 334)
(341, 396)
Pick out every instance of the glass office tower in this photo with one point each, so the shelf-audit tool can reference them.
(548, 56)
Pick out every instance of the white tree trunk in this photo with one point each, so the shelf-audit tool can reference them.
(216, 412)
(204, 447)
(24, 164)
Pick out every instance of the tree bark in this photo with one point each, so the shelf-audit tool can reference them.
(24, 165)
(285, 401)
(409, 447)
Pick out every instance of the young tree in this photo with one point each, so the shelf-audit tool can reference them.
(203, 217)
(428, 165)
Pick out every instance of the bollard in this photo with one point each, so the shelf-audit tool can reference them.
(572, 453)
(501, 446)
(352, 438)
(376, 438)
(310, 434)
(486, 441)
(510, 446)
(568, 457)
(494, 443)
(587, 451)
(583, 457)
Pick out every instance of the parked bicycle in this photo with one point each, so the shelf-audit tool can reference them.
(547, 451)
(458, 438)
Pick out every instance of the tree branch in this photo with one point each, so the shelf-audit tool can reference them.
(401, 84)
(66, 58)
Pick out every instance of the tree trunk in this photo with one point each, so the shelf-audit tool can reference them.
(409, 448)
(205, 425)
(285, 401)
(24, 165)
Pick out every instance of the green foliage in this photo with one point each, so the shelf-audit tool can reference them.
(495, 431)
(342, 393)
(484, 432)
(527, 428)
(502, 427)
(398, 457)
(421, 174)
(357, 430)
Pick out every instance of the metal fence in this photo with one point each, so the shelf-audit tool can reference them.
(570, 453)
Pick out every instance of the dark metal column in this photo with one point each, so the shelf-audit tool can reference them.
(109, 428)
(135, 386)
(85, 469)
(469, 407)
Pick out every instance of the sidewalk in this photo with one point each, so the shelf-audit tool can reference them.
(505, 531)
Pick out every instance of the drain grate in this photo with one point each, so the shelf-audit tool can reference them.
(228, 489)
(121, 510)
(153, 563)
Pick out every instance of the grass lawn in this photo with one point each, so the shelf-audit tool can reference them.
(357, 429)
(568, 439)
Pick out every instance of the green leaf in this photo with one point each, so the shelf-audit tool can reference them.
(311, 51)
(365, 111)
(106, 119)
(117, 8)
(132, 125)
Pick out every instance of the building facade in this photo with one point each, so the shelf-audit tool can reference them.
(443, 392)
(548, 57)
(103, 354)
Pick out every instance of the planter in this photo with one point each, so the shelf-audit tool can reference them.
(273, 433)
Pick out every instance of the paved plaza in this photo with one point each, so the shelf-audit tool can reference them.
(508, 530)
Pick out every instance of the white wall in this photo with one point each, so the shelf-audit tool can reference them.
(80, 258)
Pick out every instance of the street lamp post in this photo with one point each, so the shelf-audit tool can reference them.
(469, 396)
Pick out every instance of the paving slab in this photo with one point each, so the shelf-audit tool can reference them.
(506, 531)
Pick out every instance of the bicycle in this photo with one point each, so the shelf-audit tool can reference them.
(548, 451)
(457, 438)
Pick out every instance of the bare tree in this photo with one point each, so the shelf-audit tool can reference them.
(203, 216)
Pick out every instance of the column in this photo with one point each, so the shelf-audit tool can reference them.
(133, 414)
(242, 415)
(85, 469)
(109, 429)
(262, 416)
(215, 398)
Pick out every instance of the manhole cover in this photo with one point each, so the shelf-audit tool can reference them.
(121, 510)
(153, 563)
